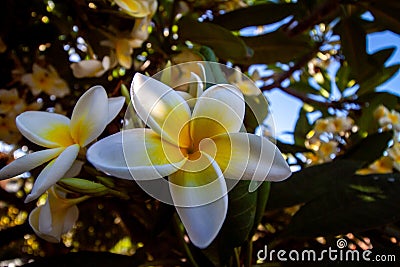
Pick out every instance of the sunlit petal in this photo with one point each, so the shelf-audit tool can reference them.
(45, 128)
(53, 172)
(136, 153)
(198, 182)
(28, 162)
(114, 107)
(90, 116)
(201, 222)
(220, 109)
(161, 108)
(250, 157)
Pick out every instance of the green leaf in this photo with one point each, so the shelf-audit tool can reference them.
(353, 44)
(238, 224)
(224, 43)
(353, 204)
(377, 78)
(257, 109)
(256, 15)
(262, 198)
(276, 46)
(342, 77)
(301, 129)
(370, 148)
(310, 183)
(386, 13)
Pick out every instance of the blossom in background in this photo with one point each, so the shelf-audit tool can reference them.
(92, 67)
(333, 125)
(380, 166)
(10, 101)
(387, 118)
(138, 8)
(46, 80)
(56, 217)
(394, 154)
(196, 149)
(245, 85)
(123, 49)
(62, 136)
(8, 130)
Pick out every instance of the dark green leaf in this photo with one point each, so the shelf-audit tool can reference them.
(257, 108)
(370, 148)
(342, 77)
(353, 44)
(303, 126)
(276, 47)
(310, 183)
(353, 204)
(386, 13)
(262, 198)
(224, 43)
(256, 15)
(378, 77)
(238, 223)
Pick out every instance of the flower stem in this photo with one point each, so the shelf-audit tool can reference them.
(179, 231)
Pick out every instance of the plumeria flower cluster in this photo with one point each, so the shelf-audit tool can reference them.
(325, 138)
(388, 120)
(46, 80)
(63, 139)
(198, 148)
(121, 44)
(11, 105)
(196, 142)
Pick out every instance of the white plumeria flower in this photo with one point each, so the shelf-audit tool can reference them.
(56, 217)
(92, 67)
(62, 136)
(196, 149)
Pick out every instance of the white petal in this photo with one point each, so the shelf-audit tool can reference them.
(28, 162)
(45, 128)
(196, 85)
(161, 108)
(114, 107)
(248, 156)
(198, 182)
(135, 154)
(220, 109)
(201, 200)
(203, 223)
(53, 172)
(90, 116)
(75, 169)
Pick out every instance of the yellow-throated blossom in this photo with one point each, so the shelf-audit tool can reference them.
(62, 136)
(388, 118)
(46, 80)
(91, 67)
(394, 154)
(56, 217)
(10, 101)
(380, 166)
(197, 149)
(137, 8)
(333, 125)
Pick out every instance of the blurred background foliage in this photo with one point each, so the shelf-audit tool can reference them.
(345, 158)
